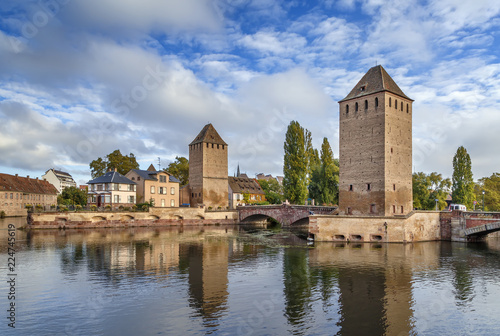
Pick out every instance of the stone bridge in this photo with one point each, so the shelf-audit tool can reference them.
(285, 214)
(472, 225)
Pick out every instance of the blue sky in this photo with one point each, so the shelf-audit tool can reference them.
(79, 79)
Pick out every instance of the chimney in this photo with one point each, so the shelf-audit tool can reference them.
(16, 175)
(27, 176)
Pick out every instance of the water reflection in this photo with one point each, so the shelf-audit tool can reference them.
(214, 280)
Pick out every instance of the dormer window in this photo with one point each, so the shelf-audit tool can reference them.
(363, 88)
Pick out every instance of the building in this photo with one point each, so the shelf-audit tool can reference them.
(239, 186)
(375, 148)
(157, 186)
(112, 189)
(269, 177)
(59, 179)
(208, 180)
(17, 192)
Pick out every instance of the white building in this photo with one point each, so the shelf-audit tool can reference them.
(59, 179)
(112, 189)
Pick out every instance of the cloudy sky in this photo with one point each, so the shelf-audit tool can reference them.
(81, 78)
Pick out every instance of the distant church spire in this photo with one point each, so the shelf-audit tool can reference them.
(238, 171)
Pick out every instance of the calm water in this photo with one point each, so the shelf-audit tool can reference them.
(232, 281)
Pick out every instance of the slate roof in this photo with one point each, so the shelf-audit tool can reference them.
(146, 174)
(26, 185)
(210, 135)
(59, 172)
(111, 177)
(243, 185)
(375, 80)
(173, 179)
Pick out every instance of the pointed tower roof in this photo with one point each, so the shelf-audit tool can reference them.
(210, 135)
(151, 168)
(375, 80)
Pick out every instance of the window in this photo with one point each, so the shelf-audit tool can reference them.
(152, 190)
(376, 101)
(163, 179)
(117, 198)
(163, 203)
(394, 187)
(217, 146)
(402, 209)
(138, 178)
(172, 191)
(222, 146)
(350, 187)
(207, 144)
(356, 107)
(401, 106)
(192, 194)
(212, 145)
(131, 187)
(349, 210)
(347, 109)
(362, 89)
(390, 102)
(133, 178)
(131, 199)
(6, 195)
(372, 208)
(11, 195)
(407, 108)
(366, 104)
(392, 150)
(368, 186)
(172, 203)
(160, 190)
(394, 209)
(396, 104)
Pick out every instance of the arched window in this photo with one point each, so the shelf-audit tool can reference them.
(390, 102)
(407, 108)
(347, 109)
(396, 104)
(356, 107)
(376, 101)
(366, 104)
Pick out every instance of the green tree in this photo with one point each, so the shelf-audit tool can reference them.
(491, 187)
(273, 191)
(428, 188)
(72, 196)
(122, 163)
(295, 165)
(463, 184)
(325, 177)
(180, 169)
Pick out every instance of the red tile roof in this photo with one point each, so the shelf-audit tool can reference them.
(13, 183)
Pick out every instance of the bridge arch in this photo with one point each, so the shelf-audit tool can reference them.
(285, 214)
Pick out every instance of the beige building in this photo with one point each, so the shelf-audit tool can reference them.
(241, 186)
(112, 189)
(157, 186)
(17, 192)
(375, 148)
(59, 179)
(208, 183)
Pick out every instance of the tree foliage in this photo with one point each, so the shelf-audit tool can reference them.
(295, 165)
(325, 177)
(491, 187)
(72, 196)
(428, 188)
(463, 184)
(180, 169)
(122, 163)
(273, 191)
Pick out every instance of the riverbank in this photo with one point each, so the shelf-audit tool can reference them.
(155, 217)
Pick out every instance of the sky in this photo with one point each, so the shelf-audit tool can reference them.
(82, 78)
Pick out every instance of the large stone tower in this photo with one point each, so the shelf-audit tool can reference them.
(375, 148)
(208, 169)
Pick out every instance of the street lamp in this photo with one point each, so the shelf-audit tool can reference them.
(483, 200)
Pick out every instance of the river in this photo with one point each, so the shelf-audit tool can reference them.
(236, 280)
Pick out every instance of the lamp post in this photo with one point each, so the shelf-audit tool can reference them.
(483, 200)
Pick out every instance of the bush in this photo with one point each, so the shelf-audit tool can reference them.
(78, 207)
(107, 207)
(125, 208)
(38, 207)
(120, 207)
(143, 206)
(93, 208)
(209, 208)
(63, 208)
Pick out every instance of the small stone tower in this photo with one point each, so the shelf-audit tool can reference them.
(208, 169)
(375, 148)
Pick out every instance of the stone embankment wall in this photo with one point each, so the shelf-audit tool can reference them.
(417, 226)
(155, 217)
